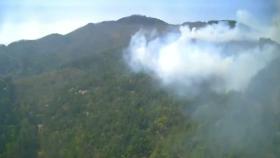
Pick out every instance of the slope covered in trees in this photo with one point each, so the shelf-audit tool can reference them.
(74, 96)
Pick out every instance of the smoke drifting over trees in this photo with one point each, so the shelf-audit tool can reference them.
(229, 75)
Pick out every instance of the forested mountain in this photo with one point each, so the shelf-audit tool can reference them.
(74, 96)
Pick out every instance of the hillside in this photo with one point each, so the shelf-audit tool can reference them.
(73, 95)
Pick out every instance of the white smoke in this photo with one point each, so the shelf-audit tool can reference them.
(237, 64)
(214, 55)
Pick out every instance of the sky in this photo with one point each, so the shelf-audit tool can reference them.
(32, 19)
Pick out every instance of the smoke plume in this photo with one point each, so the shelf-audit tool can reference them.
(224, 58)
(235, 64)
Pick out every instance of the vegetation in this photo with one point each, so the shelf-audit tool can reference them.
(68, 97)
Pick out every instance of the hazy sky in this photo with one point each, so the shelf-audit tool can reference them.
(31, 19)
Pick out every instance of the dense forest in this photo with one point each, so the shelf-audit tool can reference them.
(74, 96)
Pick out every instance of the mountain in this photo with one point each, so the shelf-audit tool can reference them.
(73, 95)
(59, 49)
(53, 51)
(141, 20)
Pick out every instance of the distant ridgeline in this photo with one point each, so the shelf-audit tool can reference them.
(27, 57)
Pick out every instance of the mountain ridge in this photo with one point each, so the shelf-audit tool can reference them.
(135, 19)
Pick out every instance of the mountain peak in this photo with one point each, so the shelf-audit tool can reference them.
(141, 19)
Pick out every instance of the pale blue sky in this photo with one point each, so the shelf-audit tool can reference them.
(31, 19)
